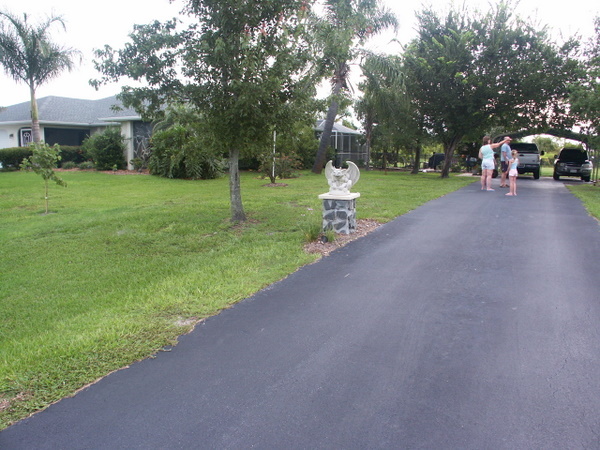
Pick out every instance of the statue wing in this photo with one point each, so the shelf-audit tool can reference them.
(329, 170)
(353, 172)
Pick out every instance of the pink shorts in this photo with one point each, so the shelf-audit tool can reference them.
(513, 172)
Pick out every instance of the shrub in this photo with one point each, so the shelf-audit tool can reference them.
(106, 149)
(87, 165)
(11, 158)
(138, 164)
(68, 165)
(177, 153)
(71, 153)
(301, 139)
(285, 166)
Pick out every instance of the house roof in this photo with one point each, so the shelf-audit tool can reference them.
(337, 127)
(68, 111)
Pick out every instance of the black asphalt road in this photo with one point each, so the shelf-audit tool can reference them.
(472, 322)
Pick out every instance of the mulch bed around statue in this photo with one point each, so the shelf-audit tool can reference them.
(363, 227)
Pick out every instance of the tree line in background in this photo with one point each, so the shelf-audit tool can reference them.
(242, 76)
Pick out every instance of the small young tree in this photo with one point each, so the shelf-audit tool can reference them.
(43, 162)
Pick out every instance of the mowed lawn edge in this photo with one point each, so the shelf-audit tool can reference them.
(124, 264)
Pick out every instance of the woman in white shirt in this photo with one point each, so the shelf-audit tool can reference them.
(486, 154)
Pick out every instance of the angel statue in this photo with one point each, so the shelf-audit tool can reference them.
(341, 180)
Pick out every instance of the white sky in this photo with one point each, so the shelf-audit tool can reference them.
(110, 21)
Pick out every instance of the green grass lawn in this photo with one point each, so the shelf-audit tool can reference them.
(123, 265)
(586, 192)
(546, 171)
(589, 195)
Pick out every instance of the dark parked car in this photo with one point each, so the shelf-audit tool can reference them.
(573, 162)
(436, 160)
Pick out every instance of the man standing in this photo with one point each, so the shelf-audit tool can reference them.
(504, 161)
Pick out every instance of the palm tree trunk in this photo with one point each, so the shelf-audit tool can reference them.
(235, 193)
(327, 129)
(35, 116)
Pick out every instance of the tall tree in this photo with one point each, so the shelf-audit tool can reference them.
(345, 25)
(473, 72)
(387, 109)
(384, 97)
(28, 55)
(243, 65)
(585, 94)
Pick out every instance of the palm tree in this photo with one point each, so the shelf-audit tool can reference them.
(346, 25)
(28, 56)
(383, 93)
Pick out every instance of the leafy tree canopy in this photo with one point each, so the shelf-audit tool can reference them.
(585, 95)
(469, 72)
(242, 64)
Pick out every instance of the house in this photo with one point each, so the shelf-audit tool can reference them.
(68, 121)
(346, 143)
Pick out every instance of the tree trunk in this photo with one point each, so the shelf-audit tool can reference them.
(46, 194)
(35, 117)
(449, 148)
(368, 136)
(415, 169)
(327, 128)
(235, 193)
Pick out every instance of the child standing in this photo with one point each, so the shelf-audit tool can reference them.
(512, 173)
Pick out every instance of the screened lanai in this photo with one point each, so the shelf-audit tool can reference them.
(346, 143)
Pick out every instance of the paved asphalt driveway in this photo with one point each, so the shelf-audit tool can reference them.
(472, 322)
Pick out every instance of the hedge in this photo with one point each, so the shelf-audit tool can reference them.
(11, 158)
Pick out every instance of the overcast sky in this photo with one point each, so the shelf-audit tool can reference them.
(110, 21)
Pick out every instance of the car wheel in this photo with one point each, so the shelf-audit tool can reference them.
(585, 179)
(556, 176)
(536, 174)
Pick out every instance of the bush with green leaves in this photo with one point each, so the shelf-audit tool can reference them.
(301, 139)
(106, 149)
(68, 165)
(71, 153)
(43, 161)
(10, 158)
(279, 165)
(86, 165)
(177, 152)
(138, 164)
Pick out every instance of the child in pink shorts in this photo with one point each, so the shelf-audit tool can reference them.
(512, 173)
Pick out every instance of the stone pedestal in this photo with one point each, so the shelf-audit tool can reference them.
(339, 212)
